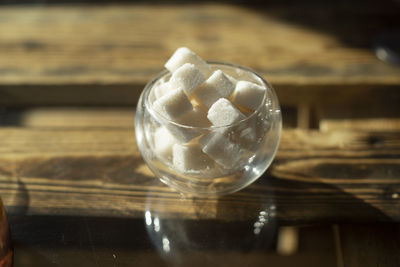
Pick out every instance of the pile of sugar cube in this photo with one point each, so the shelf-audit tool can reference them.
(194, 98)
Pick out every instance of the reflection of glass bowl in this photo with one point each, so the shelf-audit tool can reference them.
(185, 242)
(250, 144)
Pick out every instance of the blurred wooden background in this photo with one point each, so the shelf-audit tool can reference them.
(71, 74)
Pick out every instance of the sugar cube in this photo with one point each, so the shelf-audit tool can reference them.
(197, 117)
(247, 138)
(248, 95)
(183, 130)
(186, 77)
(223, 112)
(221, 149)
(183, 134)
(161, 89)
(233, 80)
(163, 142)
(250, 134)
(184, 55)
(245, 75)
(215, 87)
(173, 104)
(189, 158)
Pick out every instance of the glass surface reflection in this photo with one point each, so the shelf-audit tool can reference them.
(205, 236)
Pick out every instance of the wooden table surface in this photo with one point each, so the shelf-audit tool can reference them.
(70, 76)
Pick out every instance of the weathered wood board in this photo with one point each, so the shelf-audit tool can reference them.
(335, 176)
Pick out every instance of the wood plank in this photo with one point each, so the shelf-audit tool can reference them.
(328, 97)
(377, 111)
(377, 125)
(370, 245)
(70, 94)
(124, 257)
(128, 44)
(145, 258)
(69, 117)
(324, 177)
(88, 241)
(339, 101)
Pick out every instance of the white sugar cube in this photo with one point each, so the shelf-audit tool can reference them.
(223, 112)
(245, 75)
(215, 87)
(183, 130)
(233, 80)
(221, 149)
(161, 89)
(184, 55)
(183, 134)
(173, 104)
(189, 158)
(248, 138)
(196, 118)
(163, 142)
(186, 77)
(250, 134)
(248, 95)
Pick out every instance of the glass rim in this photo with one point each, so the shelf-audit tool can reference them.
(154, 113)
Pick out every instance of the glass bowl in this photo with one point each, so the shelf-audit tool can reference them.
(236, 155)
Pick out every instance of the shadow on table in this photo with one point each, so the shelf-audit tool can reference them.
(355, 24)
(299, 202)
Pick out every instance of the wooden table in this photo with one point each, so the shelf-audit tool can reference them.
(78, 193)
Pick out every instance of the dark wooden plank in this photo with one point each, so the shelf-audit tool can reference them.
(70, 94)
(69, 117)
(342, 100)
(142, 258)
(128, 44)
(100, 241)
(334, 100)
(338, 176)
(370, 245)
(377, 111)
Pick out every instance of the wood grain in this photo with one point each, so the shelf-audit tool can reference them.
(128, 44)
(324, 177)
(104, 55)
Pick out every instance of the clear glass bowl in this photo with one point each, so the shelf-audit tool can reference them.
(241, 152)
